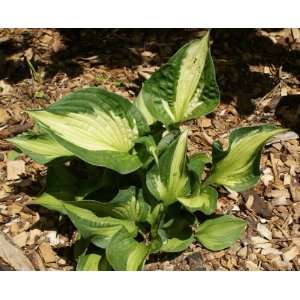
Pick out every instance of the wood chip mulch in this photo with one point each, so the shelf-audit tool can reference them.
(258, 73)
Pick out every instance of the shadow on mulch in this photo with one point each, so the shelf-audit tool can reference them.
(288, 112)
(234, 50)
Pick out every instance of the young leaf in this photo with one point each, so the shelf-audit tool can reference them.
(97, 126)
(182, 89)
(100, 230)
(168, 180)
(124, 253)
(204, 200)
(42, 148)
(238, 167)
(220, 233)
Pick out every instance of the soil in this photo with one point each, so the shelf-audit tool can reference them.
(258, 71)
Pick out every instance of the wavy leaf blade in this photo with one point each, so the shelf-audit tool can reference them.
(204, 200)
(184, 88)
(99, 229)
(238, 167)
(97, 126)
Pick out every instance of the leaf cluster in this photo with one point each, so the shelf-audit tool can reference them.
(120, 170)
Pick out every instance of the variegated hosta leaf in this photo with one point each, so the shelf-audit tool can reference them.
(182, 89)
(204, 200)
(168, 180)
(125, 206)
(220, 233)
(238, 167)
(97, 126)
(42, 148)
(99, 229)
(124, 253)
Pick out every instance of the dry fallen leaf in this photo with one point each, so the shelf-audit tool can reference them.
(33, 236)
(205, 122)
(264, 231)
(251, 266)
(14, 169)
(53, 238)
(284, 193)
(295, 191)
(280, 201)
(13, 255)
(37, 261)
(271, 251)
(291, 254)
(242, 252)
(4, 116)
(14, 209)
(260, 242)
(47, 253)
(20, 239)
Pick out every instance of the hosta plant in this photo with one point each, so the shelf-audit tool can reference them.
(120, 170)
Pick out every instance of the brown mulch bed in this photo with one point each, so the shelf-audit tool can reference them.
(258, 73)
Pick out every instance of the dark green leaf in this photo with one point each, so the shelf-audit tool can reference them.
(176, 233)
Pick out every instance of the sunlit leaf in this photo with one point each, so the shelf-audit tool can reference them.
(204, 200)
(182, 89)
(238, 166)
(168, 180)
(42, 148)
(97, 126)
(220, 233)
(124, 253)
